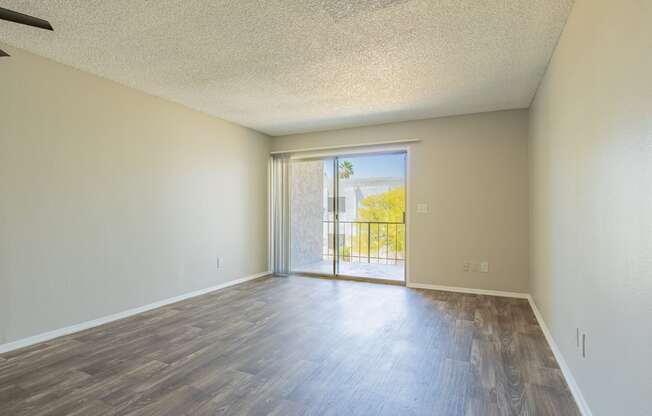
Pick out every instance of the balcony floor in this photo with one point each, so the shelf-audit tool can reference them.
(365, 270)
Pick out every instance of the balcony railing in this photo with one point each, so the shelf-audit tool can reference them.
(365, 241)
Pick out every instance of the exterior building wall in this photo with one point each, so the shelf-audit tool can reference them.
(306, 207)
(354, 190)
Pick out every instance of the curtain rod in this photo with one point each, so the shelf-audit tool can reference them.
(344, 146)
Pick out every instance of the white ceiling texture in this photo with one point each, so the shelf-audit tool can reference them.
(290, 66)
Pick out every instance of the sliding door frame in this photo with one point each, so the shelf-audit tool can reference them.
(336, 153)
(337, 274)
(336, 217)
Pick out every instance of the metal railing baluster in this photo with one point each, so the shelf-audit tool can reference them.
(382, 254)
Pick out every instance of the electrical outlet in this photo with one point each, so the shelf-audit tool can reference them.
(422, 208)
(470, 266)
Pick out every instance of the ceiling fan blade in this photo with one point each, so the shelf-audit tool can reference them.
(23, 19)
(3, 53)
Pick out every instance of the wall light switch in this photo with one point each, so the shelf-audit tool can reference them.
(422, 208)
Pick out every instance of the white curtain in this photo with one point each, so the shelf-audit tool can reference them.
(281, 214)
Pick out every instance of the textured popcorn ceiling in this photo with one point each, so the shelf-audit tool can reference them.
(288, 66)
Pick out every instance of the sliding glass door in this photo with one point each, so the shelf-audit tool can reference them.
(371, 216)
(312, 215)
(348, 216)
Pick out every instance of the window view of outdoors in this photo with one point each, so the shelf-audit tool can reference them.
(370, 227)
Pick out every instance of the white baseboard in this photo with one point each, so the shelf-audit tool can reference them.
(568, 375)
(46, 336)
(469, 290)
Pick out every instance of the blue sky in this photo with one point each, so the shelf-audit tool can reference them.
(374, 166)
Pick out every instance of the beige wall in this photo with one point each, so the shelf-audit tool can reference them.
(472, 171)
(111, 199)
(591, 157)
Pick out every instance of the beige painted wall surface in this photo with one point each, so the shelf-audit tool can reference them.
(472, 171)
(591, 153)
(111, 199)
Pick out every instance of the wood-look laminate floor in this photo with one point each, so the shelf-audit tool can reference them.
(298, 346)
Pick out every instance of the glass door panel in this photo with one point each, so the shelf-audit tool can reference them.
(371, 191)
(312, 219)
(348, 216)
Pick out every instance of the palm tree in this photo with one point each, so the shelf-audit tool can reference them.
(346, 169)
